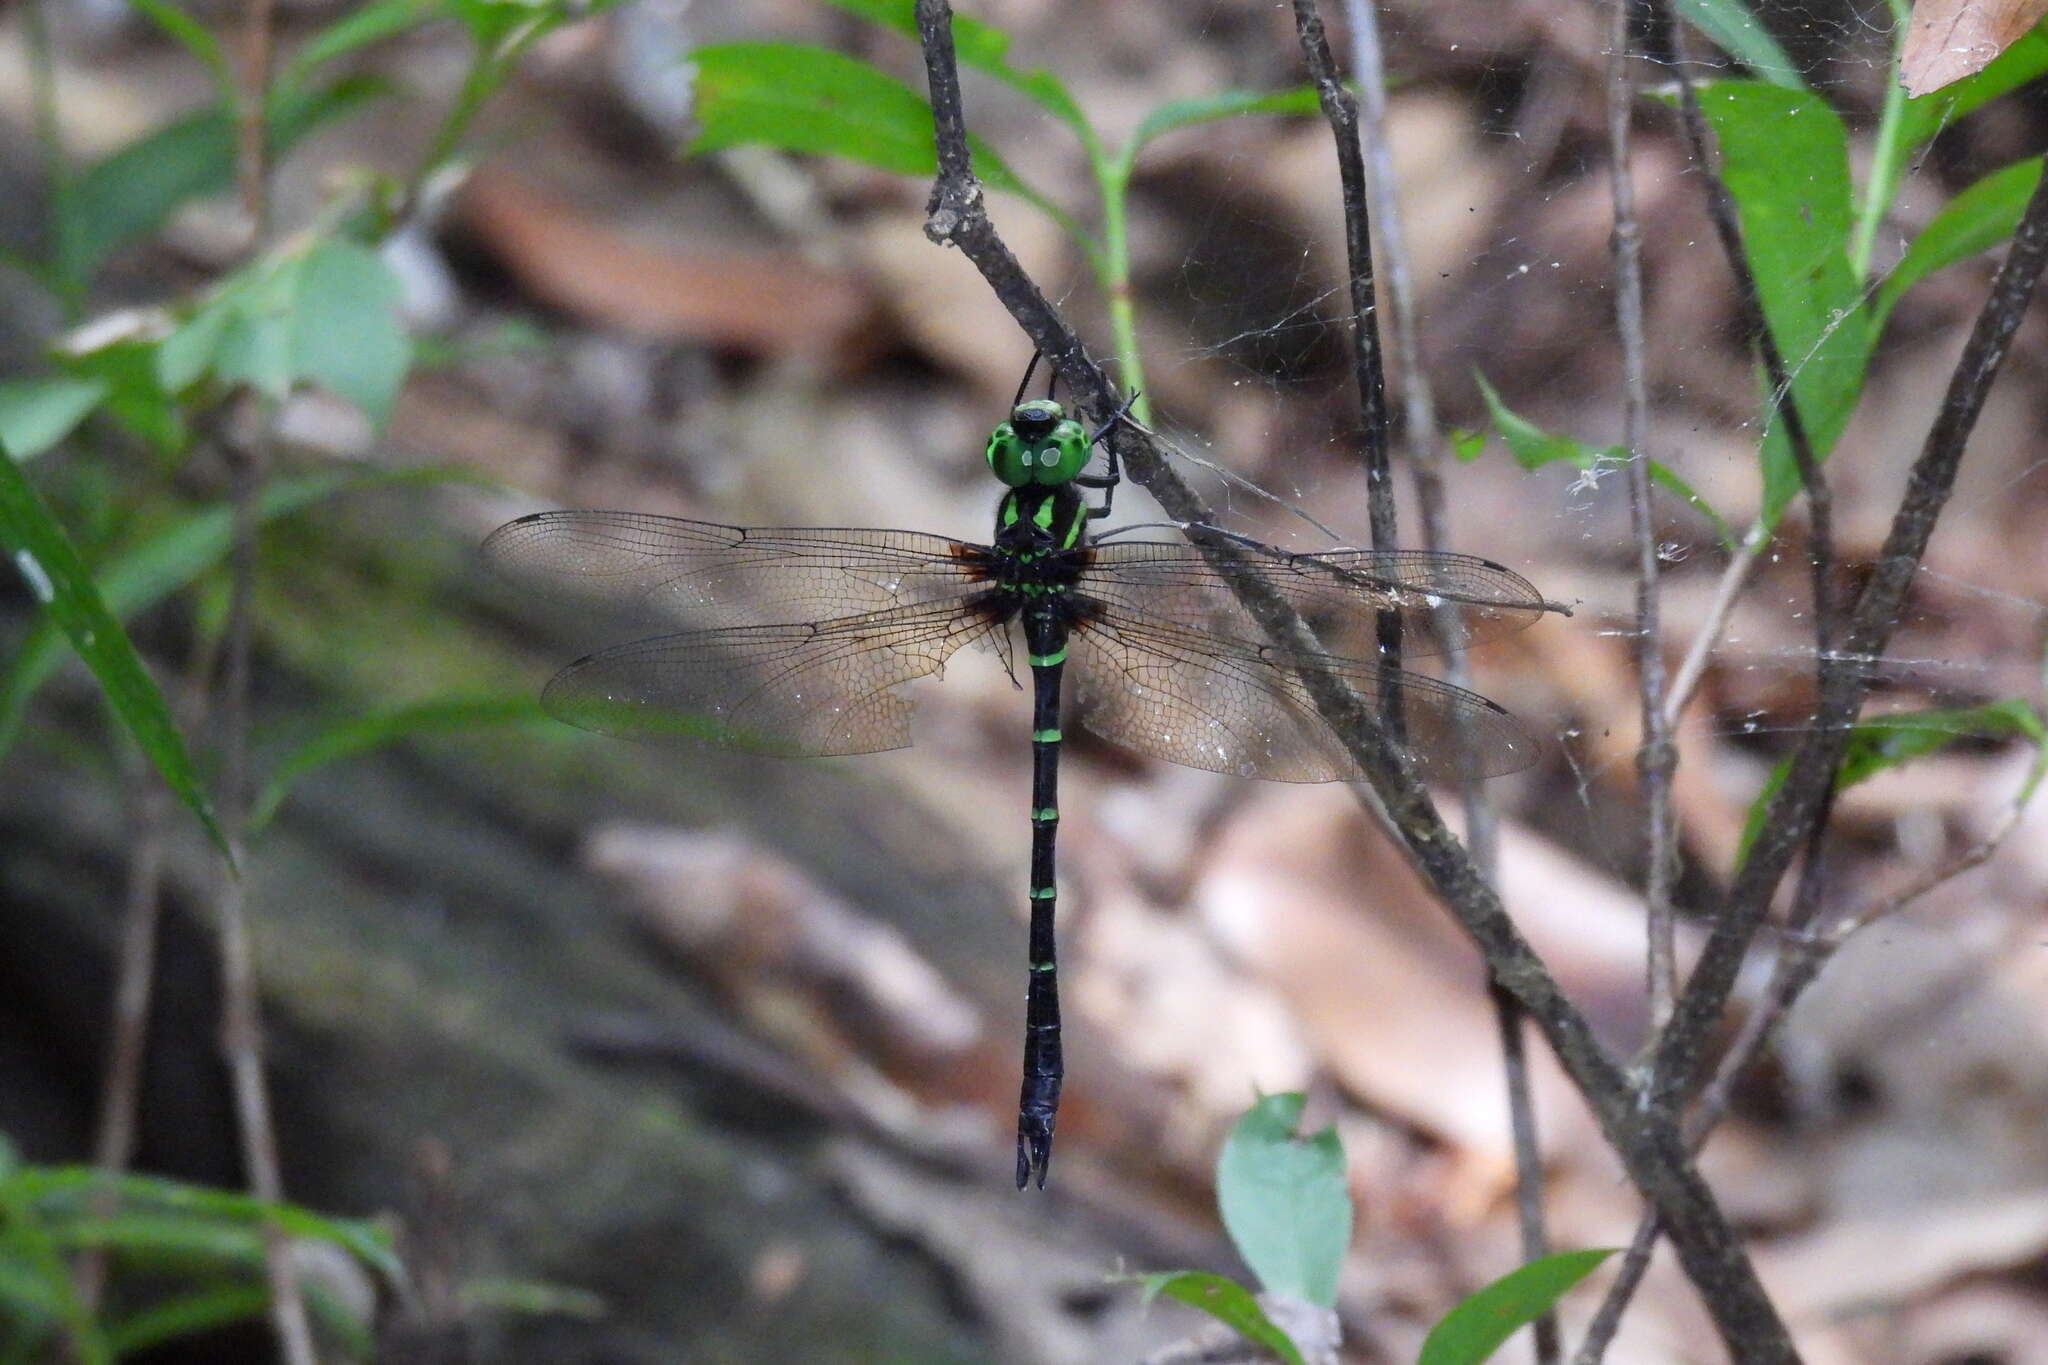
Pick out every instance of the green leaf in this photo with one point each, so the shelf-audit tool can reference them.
(35, 414)
(191, 35)
(184, 1315)
(1532, 448)
(1785, 159)
(1975, 220)
(355, 735)
(980, 47)
(47, 562)
(1174, 114)
(2010, 69)
(1888, 741)
(347, 336)
(325, 314)
(373, 23)
(1229, 1302)
(172, 558)
(1475, 1329)
(1735, 30)
(811, 99)
(127, 367)
(1284, 1201)
(71, 1190)
(128, 195)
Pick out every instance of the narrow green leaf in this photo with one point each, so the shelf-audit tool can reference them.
(359, 28)
(48, 563)
(1734, 27)
(191, 35)
(1977, 219)
(127, 195)
(1174, 114)
(172, 558)
(187, 1314)
(979, 47)
(1532, 448)
(35, 414)
(497, 1294)
(1785, 159)
(812, 99)
(62, 1189)
(1887, 741)
(1227, 1301)
(1475, 1329)
(1284, 1201)
(2009, 70)
(355, 735)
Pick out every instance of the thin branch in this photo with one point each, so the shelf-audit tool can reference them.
(1657, 756)
(1797, 968)
(247, 449)
(1368, 371)
(1425, 462)
(1651, 1150)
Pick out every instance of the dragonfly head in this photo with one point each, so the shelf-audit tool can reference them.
(1040, 444)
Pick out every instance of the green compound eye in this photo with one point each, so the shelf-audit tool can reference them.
(1062, 453)
(1009, 459)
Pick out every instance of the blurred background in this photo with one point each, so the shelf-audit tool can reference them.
(728, 1045)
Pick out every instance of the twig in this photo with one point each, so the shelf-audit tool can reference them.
(1796, 969)
(1340, 110)
(247, 449)
(1651, 1150)
(1425, 462)
(252, 152)
(1656, 757)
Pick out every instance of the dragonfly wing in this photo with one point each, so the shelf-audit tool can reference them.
(830, 687)
(1230, 706)
(1338, 592)
(668, 569)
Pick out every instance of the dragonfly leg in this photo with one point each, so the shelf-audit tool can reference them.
(1109, 480)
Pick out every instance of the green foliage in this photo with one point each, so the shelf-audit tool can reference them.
(351, 736)
(129, 194)
(1976, 220)
(803, 99)
(812, 99)
(1734, 27)
(325, 314)
(1227, 1301)
(202, 1247)
(36, 414)
(1884, 742)
(57, 577)
(1475, 1329)
(1532, 448)
(1284, 1201)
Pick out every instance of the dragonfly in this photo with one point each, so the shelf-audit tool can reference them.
(801, 641)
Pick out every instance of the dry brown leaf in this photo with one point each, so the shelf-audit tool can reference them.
(750, 300)
(1951, 39)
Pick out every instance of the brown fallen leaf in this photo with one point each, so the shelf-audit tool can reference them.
(1950, 39)
(750, 300)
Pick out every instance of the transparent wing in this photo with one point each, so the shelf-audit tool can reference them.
(810, 688)
(667, 569)
(1338, 592)
(1231, 706)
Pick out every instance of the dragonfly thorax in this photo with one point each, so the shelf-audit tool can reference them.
(1039, 445)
